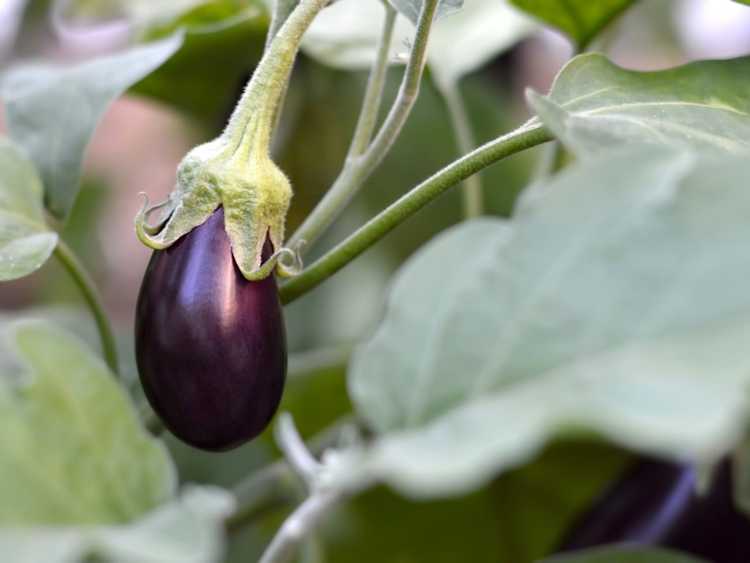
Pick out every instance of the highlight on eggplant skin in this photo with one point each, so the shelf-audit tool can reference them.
(210, 345)
(656, 503)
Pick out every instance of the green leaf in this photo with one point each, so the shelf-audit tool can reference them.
(25, 241)
(613, 303)
(625, 554)
(468, 39)
(188, 528)
(595, 104)
(411, 8)
(74, 451)
(346, 35)
(581, 20)
(52, 111)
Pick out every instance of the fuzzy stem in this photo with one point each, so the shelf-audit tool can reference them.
(356, 170)
(255, 113)
(368, 115)
(91, 296)
(403, 208)
(298, 525)
(271, 485)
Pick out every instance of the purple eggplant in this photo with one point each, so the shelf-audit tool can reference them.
(210, 345)
(656, 503)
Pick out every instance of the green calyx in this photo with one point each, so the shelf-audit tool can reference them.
(235, 170)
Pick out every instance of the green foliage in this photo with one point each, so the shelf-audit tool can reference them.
(595, 104)
(56, 138)
(25, 240)
(612, 303)
(186, 529)
(581, 20)
(74, 451)
(231, 32)
(79, 475)
(138, 13)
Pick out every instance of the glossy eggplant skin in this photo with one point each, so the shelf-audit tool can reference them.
(210, 345)
(655, 503)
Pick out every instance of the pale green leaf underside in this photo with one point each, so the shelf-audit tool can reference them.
(74, 451)
(52, 111)
(581, 20)
(188, 529)
(346, 35)
(624, 554)
(412, 8)
(594, 104)
(25, 241)
(615, 303)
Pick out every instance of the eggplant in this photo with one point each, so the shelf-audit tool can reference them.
(656, 503)
(210, 345)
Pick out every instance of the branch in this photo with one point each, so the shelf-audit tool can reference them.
(368, 114)
(379, 226)
(298, 525)
(358, 168)
(295, 451)
(274, 483)
(91, 296)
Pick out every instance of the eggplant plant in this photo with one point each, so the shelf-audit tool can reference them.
(535, 352)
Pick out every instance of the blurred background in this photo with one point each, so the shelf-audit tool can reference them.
(187, 101)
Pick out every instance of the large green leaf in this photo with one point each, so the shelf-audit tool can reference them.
(581, 20)
(74, 451)
(79, 475)
(615, 303)
(595, 104)
(25, 241)
(187, 529)
(468, 39)
(625, 554)
(52, 111)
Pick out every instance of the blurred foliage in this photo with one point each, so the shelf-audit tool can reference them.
(224, 40)
(519, 516)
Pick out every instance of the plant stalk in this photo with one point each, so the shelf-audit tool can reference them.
(357, 169)
(255, 113)
(403, 208)
(368, 115)
(93, 300)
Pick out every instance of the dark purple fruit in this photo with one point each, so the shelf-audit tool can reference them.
(210, 345)
(655, 503)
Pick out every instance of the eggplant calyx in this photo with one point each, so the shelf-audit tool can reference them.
(235, 170)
